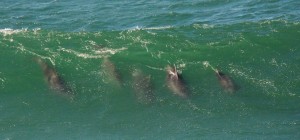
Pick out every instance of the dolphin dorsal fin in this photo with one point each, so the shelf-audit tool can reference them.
(175, 70)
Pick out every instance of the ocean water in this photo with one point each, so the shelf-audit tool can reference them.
(111, 55)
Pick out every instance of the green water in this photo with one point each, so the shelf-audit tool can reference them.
(257, 47)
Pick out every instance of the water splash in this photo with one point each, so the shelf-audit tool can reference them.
(206, 65)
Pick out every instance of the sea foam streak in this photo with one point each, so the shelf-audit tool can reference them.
(98, 54)
(150, 28)
(8, 31)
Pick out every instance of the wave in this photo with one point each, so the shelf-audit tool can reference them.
(194, 25)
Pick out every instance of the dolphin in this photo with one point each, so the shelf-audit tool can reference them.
(225, 81)
(175, 82)
(110, 73)
(142, 87)
(53, 79)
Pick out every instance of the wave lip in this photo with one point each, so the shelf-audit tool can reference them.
(9, 31)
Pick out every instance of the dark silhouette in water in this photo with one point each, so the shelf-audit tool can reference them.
(226, 82)
(109, 73)
(175, 82)
(53, 79)
(142, 87)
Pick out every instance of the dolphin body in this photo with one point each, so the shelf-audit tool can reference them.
(225, 82)
(54, 81)
(142, 87)
(110, 73)
(175, 82)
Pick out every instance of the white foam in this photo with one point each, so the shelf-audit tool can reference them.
(182, 65)
(22, 49)
(36, 30)
(82, 55)
(203, 26)
(158, 28)
(109, 50)
(98, 54)
(92, 42)
(8, 31)
(206, 65)
(150, 28)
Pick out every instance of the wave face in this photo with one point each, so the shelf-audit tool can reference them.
(112, 58)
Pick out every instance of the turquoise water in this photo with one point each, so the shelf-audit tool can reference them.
(96, 47)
